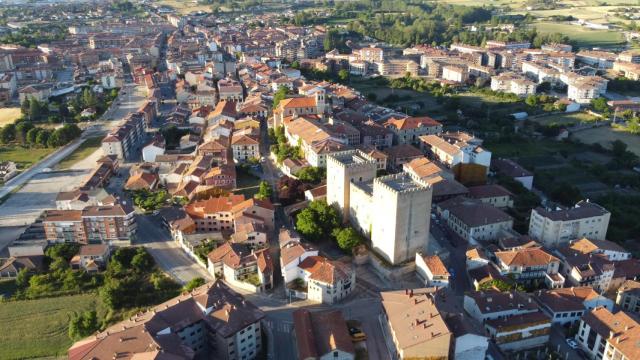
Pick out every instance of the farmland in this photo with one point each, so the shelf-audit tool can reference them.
(9, 115)
(605, 135)
(22, 156)
(584, 37)
(565, 119)
(39, 327)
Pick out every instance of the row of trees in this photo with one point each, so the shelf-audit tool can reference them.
(281, 147)
(27, 134)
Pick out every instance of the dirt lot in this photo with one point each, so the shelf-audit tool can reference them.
(605, 135)
(9, 115)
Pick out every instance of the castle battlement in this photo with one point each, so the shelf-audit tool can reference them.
(401, 183)
(351, 159)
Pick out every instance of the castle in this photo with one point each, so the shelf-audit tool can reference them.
(393, 211)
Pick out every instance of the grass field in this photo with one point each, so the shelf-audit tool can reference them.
(38, 328)
(246, 184)
(563, 119)
(87, 148)
(9, 115)
(185, 6)
(582, 36)
(605, 135)
(23, 157)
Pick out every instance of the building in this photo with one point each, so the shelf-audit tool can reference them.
(492, 194)
(326, 281)
(432, 271)
(473, 220)
(111, 224)
(513, 83)
(299, 106)
(583, 89)
(492, 304)
(628, 296)
(293, 253)
(408, 130)
(597, 59)
(513, 170)
(452, 149)
(520, 332)
(242, 266)
(554, 228)
(413, 325)
(210, 321)
(125, 139)
(531, 265)
(629, 70)
(566, 306)
(219, 214)
(91, 258)
(470, 342)
(244, 148)
(322, 335)
(230, 90)
(608, 336)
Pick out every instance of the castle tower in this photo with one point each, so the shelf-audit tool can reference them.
(343, 168)
(400, 217)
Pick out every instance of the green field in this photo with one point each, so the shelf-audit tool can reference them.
(582, 36)
(23, 156)
(605, 135)
(38, 328)
(87, 148)
(564, 119)
(246, 184)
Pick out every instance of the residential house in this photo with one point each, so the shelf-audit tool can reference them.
(566, 306)
(492, 194)
(322, 335)
(91, 258)
(408, 130)
(513, 170)
(241, 266)
(608, 336)
(472, 219)
(244, 148)
(432, 271)
(531, 265)
(327, 281)
(628, 296)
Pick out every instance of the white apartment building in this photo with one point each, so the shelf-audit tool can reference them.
(403, 228)
(513, 83)
(244, 148)
(554, 228)
(583, 89)
(604, 335)
(458, 74)
(125, 139)
(474, 220)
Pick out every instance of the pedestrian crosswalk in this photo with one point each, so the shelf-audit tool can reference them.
(282, 326)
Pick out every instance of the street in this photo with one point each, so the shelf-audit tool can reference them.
(168, 255)
(557, 342)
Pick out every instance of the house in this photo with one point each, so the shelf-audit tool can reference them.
(40, 92)
(291, 255)
(211, 321)
(142, 181)
(10, 267)
(556, 227)
(224, 110)
(530, 266)
(408, 130)
(452, 149)
(155, 147)
(513, 170)
(566, 306)
(91, 258)
(327, 281)
(492, 194)
(472, 219)
(253, 234)
(398, 155)
(586, 269)
(322, 335)
(316, 193)
(603, 334)
(611, 250)
(230, 90)
(520, 332)
(628, 296)
(493, 304)
(413, 326)
(299, 106)
(241, 266)
(441, 180)
(470, 343)
(244, 148)
(432, 271)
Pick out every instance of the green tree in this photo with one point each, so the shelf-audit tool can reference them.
(265, 191)
(7, 133)
(36, 110)
(25, 107)
(343, 75)
(317, 221)
(600, 104)
(531, 100)
(295, 65)
(194, 283)
(42, 138)
(32, 135)
(280, 95)
(311, 174)
(142, 261)
(22, 128)
(83, 325)
(22, 279)
(347, 238)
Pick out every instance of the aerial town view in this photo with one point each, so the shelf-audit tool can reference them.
(320, 179)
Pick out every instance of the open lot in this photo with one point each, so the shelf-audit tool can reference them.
(87, 148)
(583, 36)
(564, 119)
(185, 7)
(605, 135)
(9, 115)
(23, 156)
(38, 328)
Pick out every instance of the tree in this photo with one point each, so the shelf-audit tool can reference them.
(317, 221)
(618, 148)
(25, 106)
(22, 279)
(142, 261)
(83, 325)
(36, 110)
(600, 104)
(295, 65)
(32, 135)
(311, 174)
(265, 191)
(42, 138)
(531, 100)
(7, 133)
(22, 128)
(280, 95)
(343, 74)
(194, 283)
(347, 238)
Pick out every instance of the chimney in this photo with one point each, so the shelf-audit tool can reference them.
(411, 293)
(612, 334)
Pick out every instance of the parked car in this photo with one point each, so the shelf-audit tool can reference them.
(572, 343)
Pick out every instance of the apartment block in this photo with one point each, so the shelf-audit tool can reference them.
(127, 138)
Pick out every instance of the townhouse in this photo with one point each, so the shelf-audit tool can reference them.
(322, 335)
(530, 266)
(566, 306)
(452, 149)
(628, 296)
(408, 130)
(326, 281)
(473, 220)
(241, 266)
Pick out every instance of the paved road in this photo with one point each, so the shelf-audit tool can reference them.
(168, 255)
(557, 341)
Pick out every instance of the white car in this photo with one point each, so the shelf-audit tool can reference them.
(572, 343)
